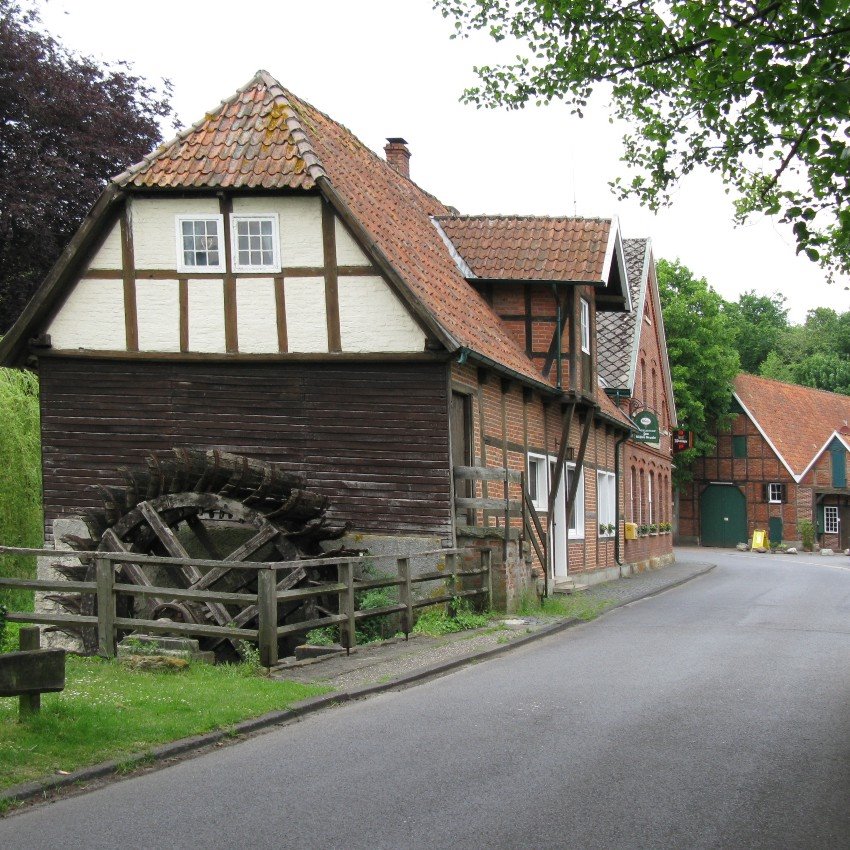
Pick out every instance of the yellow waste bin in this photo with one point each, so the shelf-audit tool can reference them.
(631, 531)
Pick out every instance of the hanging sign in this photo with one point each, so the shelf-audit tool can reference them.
(647, 424)
(682, 440)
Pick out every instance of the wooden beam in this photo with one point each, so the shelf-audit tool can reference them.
(128, 272)
(183, 283)
(331, 282)
(280, 314)
(231, 326)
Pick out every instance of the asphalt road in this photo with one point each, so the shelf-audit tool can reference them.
(714, 715)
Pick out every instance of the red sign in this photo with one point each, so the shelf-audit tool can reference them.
(682, 440)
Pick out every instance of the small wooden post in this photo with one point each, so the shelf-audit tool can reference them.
(451, 583)
(28, 704)
(348, 629)
(487, 564)
(105, 606)
(267, 610)
(405, 596)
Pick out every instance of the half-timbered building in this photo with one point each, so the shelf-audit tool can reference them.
(265, 284)
(634, 371)
(783, 460)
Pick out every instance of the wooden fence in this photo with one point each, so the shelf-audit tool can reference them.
(503, 507)
(264, 602)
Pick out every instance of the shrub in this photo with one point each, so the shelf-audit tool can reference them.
(20, 481)
(806, 530)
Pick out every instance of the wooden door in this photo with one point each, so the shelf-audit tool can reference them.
(461, 438)
(844, 526)
(723, 516)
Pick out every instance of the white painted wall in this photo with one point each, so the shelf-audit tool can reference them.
(300, 226)
(158, 312)
(372, 318)
(348, 252)
(306, 317)
(155, 229)
(206, 315)
(108, 255)
(92, 317)
(256, 315)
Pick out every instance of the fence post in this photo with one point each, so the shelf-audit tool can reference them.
(29, 638)
(105, 606)
(405, 596)
(267, 609)
(451, 582)
(487, 564)
(348, 629)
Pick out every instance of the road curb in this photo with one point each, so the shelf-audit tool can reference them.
(41, 788)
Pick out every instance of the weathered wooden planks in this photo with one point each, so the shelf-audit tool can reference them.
(372, 437)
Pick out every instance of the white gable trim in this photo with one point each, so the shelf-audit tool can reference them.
(649, 262)
(614, 250)
(644, 277)
(822, 449)
(461, 264)
(767, 439)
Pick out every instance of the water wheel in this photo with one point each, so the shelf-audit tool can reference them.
(208, 505)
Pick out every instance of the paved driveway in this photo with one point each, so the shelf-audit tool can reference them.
(714, 715)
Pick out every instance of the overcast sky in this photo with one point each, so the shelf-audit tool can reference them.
(388, 68)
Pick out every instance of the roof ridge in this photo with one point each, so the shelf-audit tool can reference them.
(397, 174)
(792, 384)
(276, 90)
(512, 217)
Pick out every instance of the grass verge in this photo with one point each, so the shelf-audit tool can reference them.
(109, 712)
(559, 607)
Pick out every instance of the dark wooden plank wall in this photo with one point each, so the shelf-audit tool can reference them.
(373, 437)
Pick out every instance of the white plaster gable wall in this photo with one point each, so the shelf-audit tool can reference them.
(306, 316)
(91, 317)
(348, 252)
(256, 315)
(206, 315)
(300, 222)
(155, 228)
(108, 255)
(372, 318)
(158, 312)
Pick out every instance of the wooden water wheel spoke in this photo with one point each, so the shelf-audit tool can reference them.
(212, 506)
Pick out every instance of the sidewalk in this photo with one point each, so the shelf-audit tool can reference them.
(400, 662)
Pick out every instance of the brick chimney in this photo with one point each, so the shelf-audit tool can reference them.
(398, 156)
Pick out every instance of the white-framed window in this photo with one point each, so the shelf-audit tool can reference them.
(537, 482)
(830, 519)
(585, 326)
(255, 243)
(199, 243)
(575, 527)
(606, 503)
(649, 512)
(775, 493)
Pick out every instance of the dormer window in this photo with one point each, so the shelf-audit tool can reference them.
(199, 245)
(256, 246)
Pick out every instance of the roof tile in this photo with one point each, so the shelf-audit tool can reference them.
(797, 420)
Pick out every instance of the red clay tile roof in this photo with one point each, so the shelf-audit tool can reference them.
(797, 420)
(264, 136)
(530, 247)
(252, 140)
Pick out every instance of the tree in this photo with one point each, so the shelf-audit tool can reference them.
(758, 321)
(756, 90)
(66, 126)
(703, 358)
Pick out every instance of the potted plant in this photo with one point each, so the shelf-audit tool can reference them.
(643, 530)
(611, 528)
(653, 529)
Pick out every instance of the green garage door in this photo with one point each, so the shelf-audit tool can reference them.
(723, 516)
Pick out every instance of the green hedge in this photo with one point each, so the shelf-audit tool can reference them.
(20, 482)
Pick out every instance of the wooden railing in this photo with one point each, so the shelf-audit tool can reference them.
(503, 507)
(263, 604)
